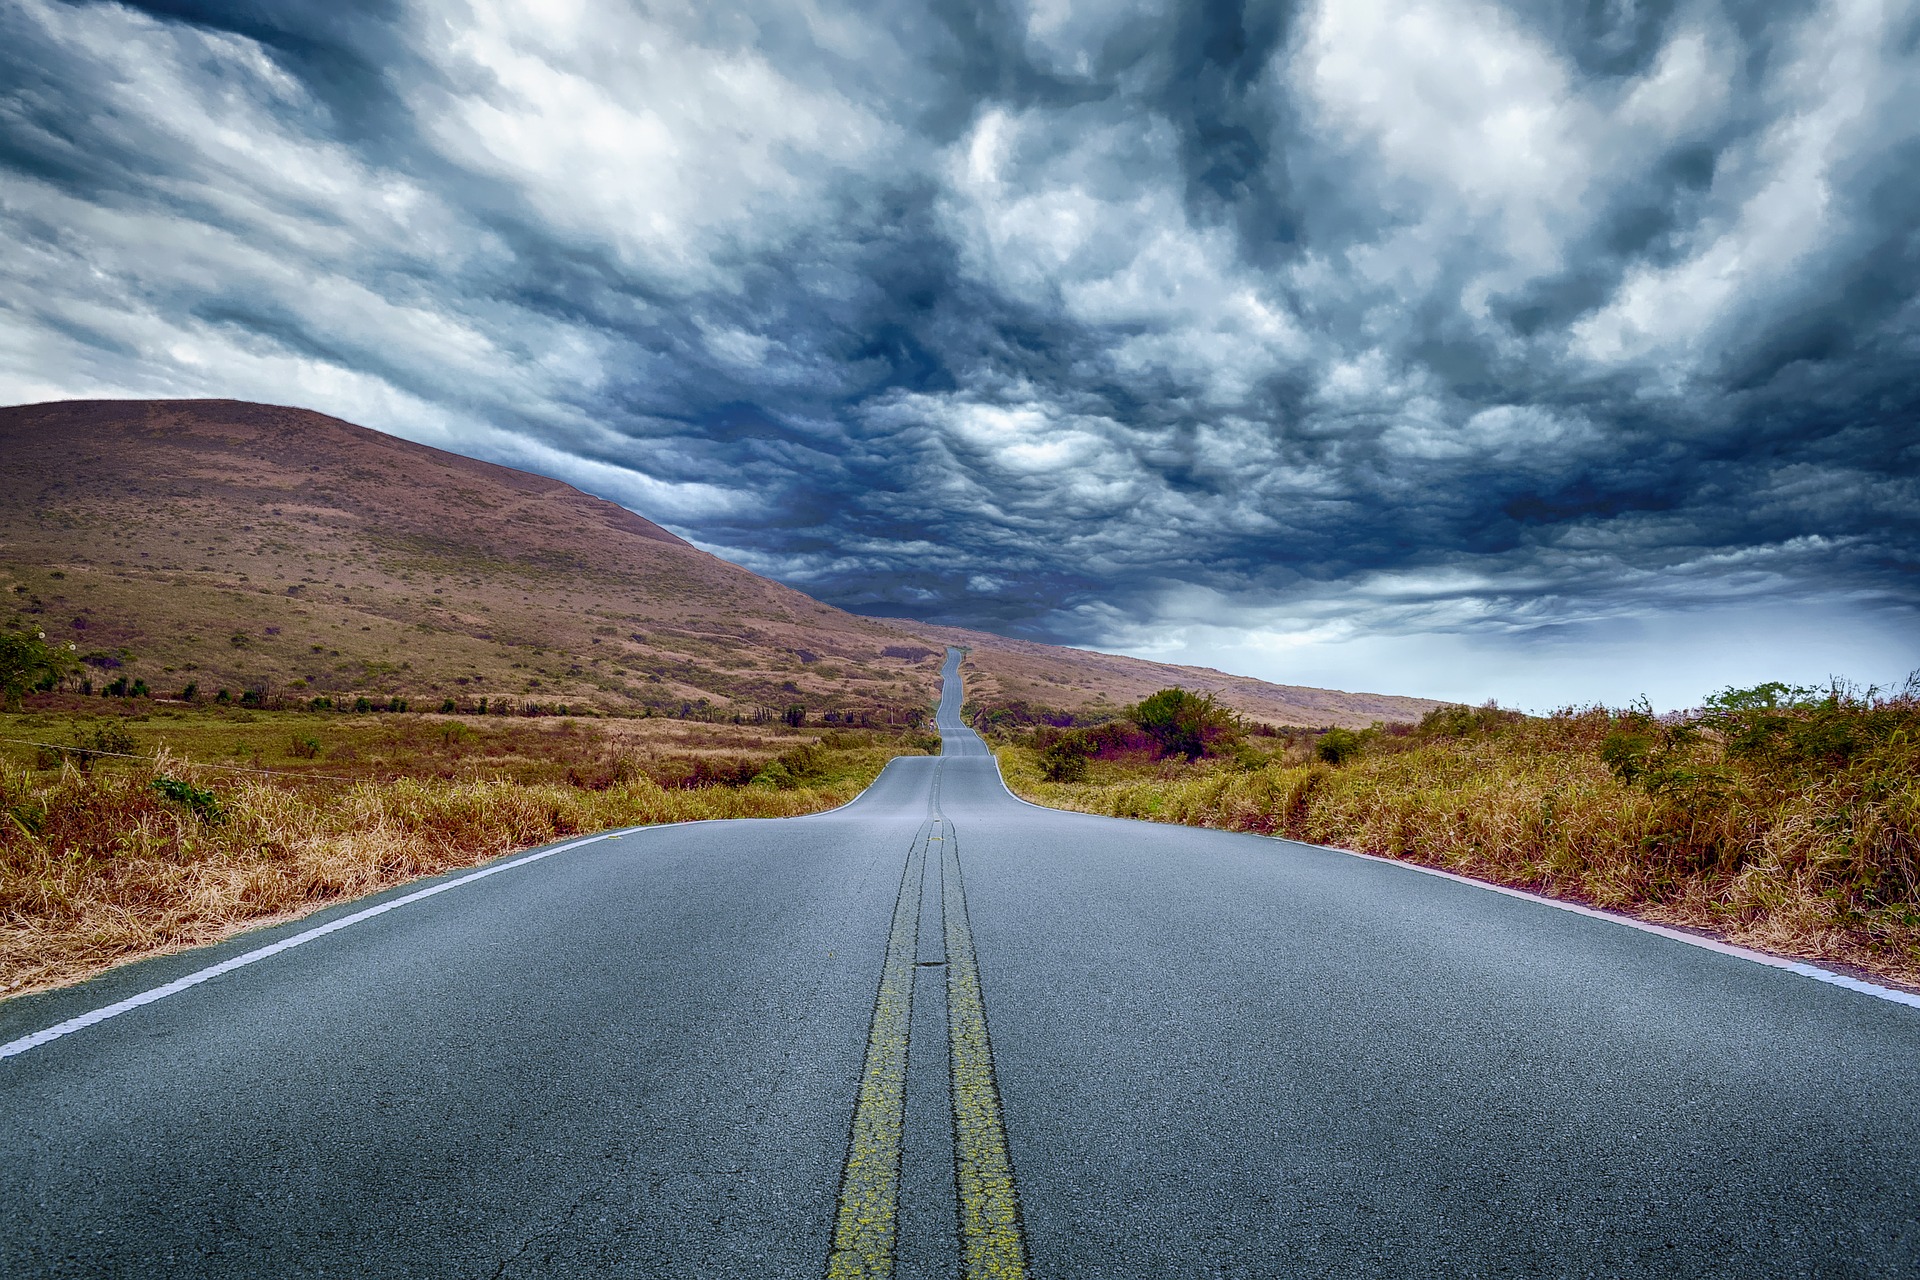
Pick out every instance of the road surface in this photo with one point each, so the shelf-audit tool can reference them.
(940, 1032)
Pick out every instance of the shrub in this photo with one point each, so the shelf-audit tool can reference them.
(202, 801)
(1187, 724)
(1458, 721)
(104, 740)
(1066, 759)
(28, 662)
(1337, 746)
(803, 766)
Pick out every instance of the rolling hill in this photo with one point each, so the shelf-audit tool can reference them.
(225, 545)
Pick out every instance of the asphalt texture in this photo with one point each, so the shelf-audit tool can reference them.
(1217, 1055)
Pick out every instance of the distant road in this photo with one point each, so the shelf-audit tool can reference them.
(762, 1048)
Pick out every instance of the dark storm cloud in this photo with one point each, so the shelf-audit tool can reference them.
(1087, 322)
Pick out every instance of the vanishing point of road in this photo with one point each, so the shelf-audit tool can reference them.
(942, 1033)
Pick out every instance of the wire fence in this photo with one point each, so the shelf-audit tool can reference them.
(75, 749)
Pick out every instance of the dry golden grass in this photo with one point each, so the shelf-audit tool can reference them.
(98, 867)
(1818, 860)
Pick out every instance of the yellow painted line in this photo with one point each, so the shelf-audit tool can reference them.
(992, 1240)
(868, 1217)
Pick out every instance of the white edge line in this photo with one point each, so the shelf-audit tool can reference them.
(194, 979)
(1002, 779)
(14, 1048)
(1801, 967)
(821, 813)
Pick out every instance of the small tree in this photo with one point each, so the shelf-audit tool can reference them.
(1065, 758)
(1183, 723)
(1338, 746)
(795, 715)
(28, 662)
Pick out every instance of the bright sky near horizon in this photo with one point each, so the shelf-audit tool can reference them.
(1544, 352)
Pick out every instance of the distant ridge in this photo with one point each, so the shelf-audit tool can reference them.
(232, 545)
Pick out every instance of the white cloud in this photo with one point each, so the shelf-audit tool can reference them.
(1080, 211)
(1777, 212)
(1460, 103)
(630, 131)
(1674, 659)
(1068, 37)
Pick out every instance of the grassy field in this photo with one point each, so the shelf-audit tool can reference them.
(145, 828)
(1786, 820)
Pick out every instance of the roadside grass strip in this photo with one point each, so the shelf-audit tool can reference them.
(867, 1220)
(992, 1238)
(194, 979)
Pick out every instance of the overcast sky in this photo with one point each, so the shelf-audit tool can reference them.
(1552, 353)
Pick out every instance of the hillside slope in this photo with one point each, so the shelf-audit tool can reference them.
(238, 546)
(1003, 670)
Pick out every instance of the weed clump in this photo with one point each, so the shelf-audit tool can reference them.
(200, 800)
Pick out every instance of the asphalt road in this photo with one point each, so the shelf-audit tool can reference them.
(754, 1049)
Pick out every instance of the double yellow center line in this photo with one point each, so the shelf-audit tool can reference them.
(992, 1241)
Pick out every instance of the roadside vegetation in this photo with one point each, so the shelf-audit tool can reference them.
(130, 826)
(1782, 818)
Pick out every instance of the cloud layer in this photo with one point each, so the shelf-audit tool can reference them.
(1288, 331)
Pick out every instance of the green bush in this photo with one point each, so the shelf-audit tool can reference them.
(104, 740)
(28, 663)
(1065, 760)
(1337, 746)
(1187, 724)
(202, 801)
(1458, 721)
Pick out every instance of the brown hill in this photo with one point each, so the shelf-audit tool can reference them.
(239, 546)
(1004, 670)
